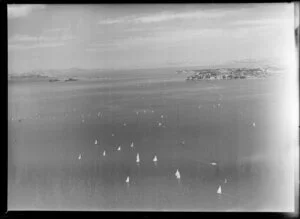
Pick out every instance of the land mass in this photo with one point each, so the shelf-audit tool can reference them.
(226, 73)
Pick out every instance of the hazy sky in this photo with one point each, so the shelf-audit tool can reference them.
(131, 36)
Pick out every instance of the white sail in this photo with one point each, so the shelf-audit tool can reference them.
(219, 190)
(104, 153)
(127, 180)
(177, 174)
(119, 148)
(155, 159)
(79, 157)
(131, 145)
(138, 158)
(96, 142)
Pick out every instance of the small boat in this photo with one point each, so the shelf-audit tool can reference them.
(96, 142)
(119, 148)
(127, 179)
(219, 191)
(213, 163)
(177, 174)
(155, 159)
(137, 158)
(131, 145)
(159, 124)
(104, 153)
(79, 157)
(253, 124)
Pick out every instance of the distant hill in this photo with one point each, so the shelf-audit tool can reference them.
(55, 73)
(62, 74)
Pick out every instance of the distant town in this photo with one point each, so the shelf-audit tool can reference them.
(225, 73)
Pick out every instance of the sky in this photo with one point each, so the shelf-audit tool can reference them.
(145, 36)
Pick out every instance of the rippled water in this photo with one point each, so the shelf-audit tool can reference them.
(187, 125)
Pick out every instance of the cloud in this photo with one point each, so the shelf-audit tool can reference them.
(23, 41)
(27, 38)
(34, 46)
(57, 29)
(16, 11)
(157, 39)
(165, 16)
(265, 22)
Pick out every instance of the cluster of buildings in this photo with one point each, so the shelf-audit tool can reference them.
(227, 74)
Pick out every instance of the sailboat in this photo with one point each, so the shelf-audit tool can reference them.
(219, 191)
(119, 148)
(131, 145)
(79, 157)
(127, 179)
(137, 158)
(177, 174)
(104, 153)
(96, 142)
(155, 159)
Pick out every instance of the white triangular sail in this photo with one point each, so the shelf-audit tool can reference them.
(119, 148)
(104, 153)
(131, 145)
(219, 190)
(177, 174)
(79, 157)
(155, 159)
(138, 158)
(96, 142)
(127, 179)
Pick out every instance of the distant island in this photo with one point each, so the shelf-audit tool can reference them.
(71, 79)
(225, 73)
(53, 80)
